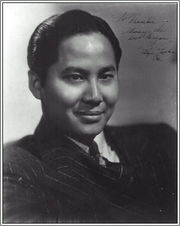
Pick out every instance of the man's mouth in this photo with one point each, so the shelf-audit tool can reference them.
(90, 112)
(90, 116)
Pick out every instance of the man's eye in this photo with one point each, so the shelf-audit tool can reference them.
(75, 77)
(106, 76)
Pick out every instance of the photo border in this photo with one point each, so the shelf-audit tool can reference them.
(177, 98)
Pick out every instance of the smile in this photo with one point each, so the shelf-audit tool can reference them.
(90, 116)
(90, 113)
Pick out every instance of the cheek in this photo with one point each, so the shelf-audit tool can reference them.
(111, 94)
(63, 95)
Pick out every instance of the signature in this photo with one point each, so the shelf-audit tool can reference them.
(156, 53)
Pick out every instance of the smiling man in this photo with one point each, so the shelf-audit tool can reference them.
(81, 88)
(75, 168)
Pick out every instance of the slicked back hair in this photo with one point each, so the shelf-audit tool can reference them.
(44, 42)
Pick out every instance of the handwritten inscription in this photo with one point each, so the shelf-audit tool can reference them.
(157, 53)
(156, 33)
(137, 19)
(148, 31)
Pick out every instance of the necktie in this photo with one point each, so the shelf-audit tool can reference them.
(94, 151)
(113, 166)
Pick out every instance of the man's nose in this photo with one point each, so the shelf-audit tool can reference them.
(93, 93)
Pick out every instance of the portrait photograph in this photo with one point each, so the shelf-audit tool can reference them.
(89, 112)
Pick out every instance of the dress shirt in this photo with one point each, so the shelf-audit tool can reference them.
(104, 148)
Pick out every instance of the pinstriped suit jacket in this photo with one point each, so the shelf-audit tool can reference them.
(51, 180)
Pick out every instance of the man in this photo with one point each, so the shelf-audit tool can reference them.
(60, 174)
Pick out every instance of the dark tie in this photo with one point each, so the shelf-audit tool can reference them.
(113, 166)
(94, 151)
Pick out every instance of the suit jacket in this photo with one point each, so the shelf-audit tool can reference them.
(48, 179)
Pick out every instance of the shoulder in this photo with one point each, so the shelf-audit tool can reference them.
(23, 188)
(142, 137)
(18, 159)
(151, 149)
(142, 130)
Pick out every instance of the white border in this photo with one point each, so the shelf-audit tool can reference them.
(1, 93)
(1, 108)
(43, 1)
(178, 107)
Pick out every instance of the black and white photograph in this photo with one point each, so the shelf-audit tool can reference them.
(89, 112)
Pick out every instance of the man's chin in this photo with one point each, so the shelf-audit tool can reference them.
(91, 130)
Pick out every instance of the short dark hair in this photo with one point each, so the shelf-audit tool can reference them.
(44, 42)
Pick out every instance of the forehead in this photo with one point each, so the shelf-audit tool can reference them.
(84, 45)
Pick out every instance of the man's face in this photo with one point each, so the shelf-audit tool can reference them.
(81, 88)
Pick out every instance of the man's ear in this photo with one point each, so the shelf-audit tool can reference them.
(34, 84)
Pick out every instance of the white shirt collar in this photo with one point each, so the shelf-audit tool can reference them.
(104, 149)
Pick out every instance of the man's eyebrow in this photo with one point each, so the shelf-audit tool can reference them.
(107, 69)
(74, 69)
(86, 72)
